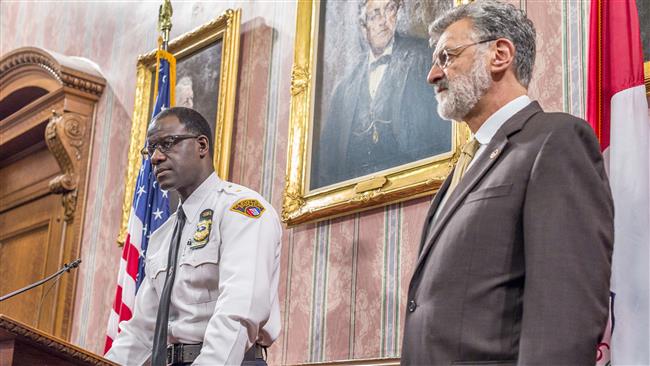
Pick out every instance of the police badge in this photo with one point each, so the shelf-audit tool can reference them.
(202, 233)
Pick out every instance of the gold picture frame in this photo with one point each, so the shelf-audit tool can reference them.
(224, 30)
(646, 72)
(397, 184)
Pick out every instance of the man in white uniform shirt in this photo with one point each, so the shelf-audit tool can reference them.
(219, 306)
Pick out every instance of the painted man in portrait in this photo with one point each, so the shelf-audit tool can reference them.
(381, 114)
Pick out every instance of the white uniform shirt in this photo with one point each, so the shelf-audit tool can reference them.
(225, 293)
(487, 131)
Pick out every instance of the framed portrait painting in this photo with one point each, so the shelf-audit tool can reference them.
(206, 77)
(364, 128)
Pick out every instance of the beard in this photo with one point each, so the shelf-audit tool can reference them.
(464, 91)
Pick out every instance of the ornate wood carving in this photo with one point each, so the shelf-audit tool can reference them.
(64, 136)
(62, 69)
(54, 346)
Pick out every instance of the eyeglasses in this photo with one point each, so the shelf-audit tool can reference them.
(445, 57)
(388, 10)
(165, 144)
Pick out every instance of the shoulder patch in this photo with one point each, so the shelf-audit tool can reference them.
(248, 207)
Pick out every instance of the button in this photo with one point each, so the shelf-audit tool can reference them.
(412, 306)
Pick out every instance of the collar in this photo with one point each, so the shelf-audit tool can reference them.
(387, 51)
(194, 202)
(495, 121)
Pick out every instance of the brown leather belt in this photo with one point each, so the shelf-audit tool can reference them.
(181, 353)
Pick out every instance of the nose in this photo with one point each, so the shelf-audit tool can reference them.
(157, 157)
(435, 74)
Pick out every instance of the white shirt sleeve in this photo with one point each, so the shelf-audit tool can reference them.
(250, 252)
(133, 344)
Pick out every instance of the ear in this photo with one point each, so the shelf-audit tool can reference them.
(204, 146)
(504, 55)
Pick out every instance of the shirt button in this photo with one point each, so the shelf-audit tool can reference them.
(412, 306)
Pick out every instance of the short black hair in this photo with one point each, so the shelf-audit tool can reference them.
(193, 121)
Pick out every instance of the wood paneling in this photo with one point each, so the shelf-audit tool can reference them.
(44, 153)
(27, 178)
(30, 249)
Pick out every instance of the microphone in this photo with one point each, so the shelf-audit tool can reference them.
(65, 268)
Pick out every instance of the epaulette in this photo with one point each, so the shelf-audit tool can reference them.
(233, 188)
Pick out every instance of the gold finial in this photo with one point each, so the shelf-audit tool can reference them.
(165, 19)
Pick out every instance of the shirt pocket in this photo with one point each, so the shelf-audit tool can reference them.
(199, 269)
(489, 192)
(156, 270)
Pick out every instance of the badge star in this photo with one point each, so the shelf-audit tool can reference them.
(144, 229)
(164, 192)
(154, 183)
(157, 215)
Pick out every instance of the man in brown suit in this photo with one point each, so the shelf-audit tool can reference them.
(514, 261)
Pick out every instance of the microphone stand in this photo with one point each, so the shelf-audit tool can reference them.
(66, 268)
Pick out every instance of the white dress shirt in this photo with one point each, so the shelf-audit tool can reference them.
(487, 131)
(225, 293)
(375, 75)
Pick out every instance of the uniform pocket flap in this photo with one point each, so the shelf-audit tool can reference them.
(155, 266)
(200, 256)
(489, 192)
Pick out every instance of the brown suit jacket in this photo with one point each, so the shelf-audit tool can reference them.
(515, 271)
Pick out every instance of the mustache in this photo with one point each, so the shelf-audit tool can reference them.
(440, 84)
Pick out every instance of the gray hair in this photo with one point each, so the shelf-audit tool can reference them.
(362, 10)
(493, 19)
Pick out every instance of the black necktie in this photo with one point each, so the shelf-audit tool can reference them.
(382, 60)
(159, 351)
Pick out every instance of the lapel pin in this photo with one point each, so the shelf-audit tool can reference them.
(494, 153)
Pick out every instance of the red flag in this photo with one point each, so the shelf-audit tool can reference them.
(617, 109)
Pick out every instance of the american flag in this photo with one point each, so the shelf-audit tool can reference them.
(150, 209)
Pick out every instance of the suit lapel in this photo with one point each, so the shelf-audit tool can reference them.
(433, 207)
(493, 152)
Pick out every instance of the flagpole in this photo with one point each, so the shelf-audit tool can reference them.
(165, 21)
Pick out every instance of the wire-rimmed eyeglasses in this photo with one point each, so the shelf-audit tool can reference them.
(445, 57)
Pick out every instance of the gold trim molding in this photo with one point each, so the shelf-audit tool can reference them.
(398, 184)
(225, 27)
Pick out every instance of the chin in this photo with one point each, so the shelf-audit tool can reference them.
(445, 112)
(166, 184)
